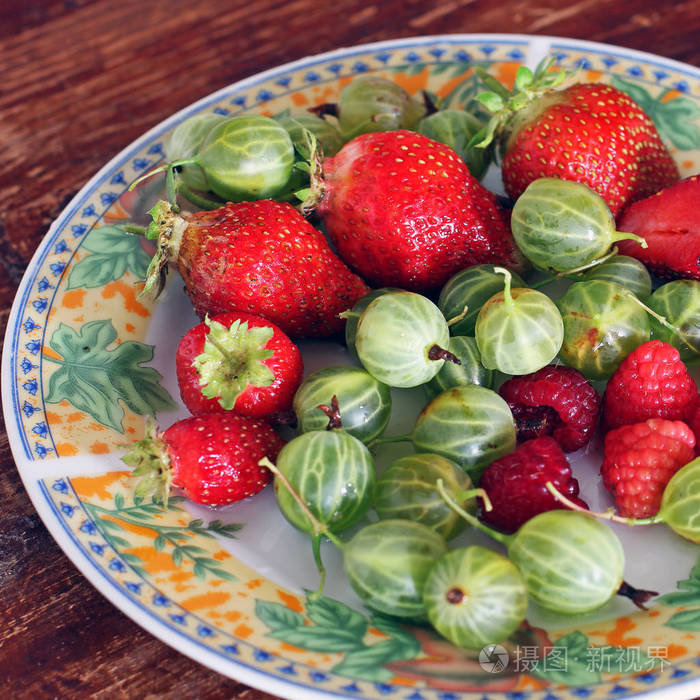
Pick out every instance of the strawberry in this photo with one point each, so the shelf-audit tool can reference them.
(591, 133)
(516, 483)
(212, 458)
(404, 211)
(639, 459)
(260, 257)
(238, 361)
(669, 224)
(651, 382)
(557, 401)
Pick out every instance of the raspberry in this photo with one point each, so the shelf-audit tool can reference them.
(639, 460)
(556, 401)
(651, 382)
(515, 483)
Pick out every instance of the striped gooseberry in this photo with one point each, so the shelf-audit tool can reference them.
(518, 331)
(407, 490)
(387, 563)
(561, 225)
(469, 371)
(470, 289)
(679, 303)
(475, 597)
(401, 339)
(624, 270)
(470, 425)
(603, 323)
(570, 562)
(363, 402)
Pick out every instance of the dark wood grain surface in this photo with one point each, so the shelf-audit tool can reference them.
(79, 80)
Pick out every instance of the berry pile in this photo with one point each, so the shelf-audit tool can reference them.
(400, 200)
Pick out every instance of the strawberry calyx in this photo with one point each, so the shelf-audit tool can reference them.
(533, 93)
(167, 229)
(150, 460)
(232, 359)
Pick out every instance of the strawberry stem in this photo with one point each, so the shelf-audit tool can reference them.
(607, 515)
(471, 519)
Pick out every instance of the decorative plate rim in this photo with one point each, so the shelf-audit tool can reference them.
(31, 477)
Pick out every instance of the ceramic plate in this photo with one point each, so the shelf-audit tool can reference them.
(86, 359)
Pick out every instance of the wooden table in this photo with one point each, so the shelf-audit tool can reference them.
(80, 80)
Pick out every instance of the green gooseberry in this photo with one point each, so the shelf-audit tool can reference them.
(401, 339)
(563, 225)
(407, 491)
(623, 270)
(678, 302)
(333, 473)
(471, 288)
(388, 562)
(470, 371)
(603, 323)
(570, 562)
(184, 142)
(372, 103)
(455, 128)
(327, 135)
(470, 425)
(246, 157)
(363, 403)
(352, 316)
(518, 331)
(475, 597)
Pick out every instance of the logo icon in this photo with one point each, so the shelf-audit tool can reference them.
(494, 658)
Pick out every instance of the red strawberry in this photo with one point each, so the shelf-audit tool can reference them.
(515, 483)
(639, 461)
(590, 133)
(651, 382)
(694, 425)
(238, 361)
(557, 401)
(403, 210)
(212, 458)
(669, 224)
(261, 257)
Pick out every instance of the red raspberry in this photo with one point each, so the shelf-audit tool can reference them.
(515, 483)
(557, 401)
(639, 460)
(651, 382)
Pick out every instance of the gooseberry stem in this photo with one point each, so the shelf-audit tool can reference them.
(318, 527)
(507, 297)
(607, 515)
(662, 320)
(471, 519)
(386, 440)
(160, 169)
(459, 316)
(575, 270)
(197, 199)
(468, 494)
(622, 236)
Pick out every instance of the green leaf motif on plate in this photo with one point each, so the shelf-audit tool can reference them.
(98, 380)
(673, 118)
(335, 627)
(573, 661)
(175, 540)
(688, 594)
(112, 253)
